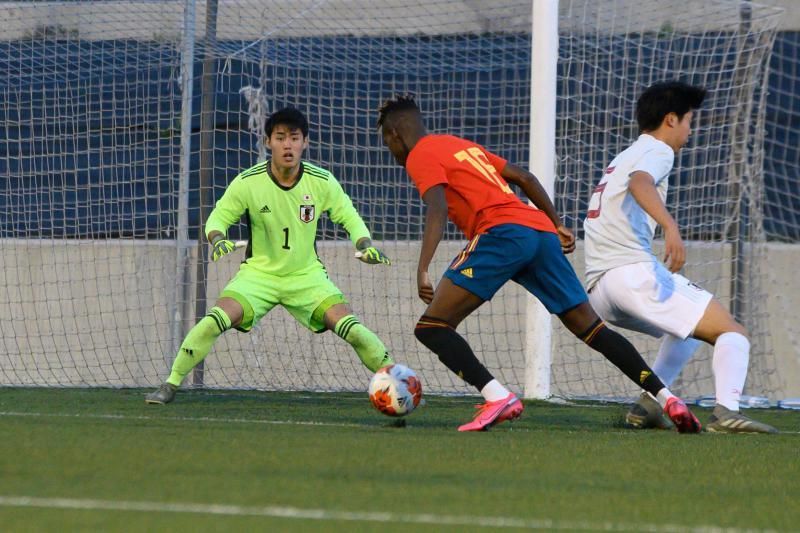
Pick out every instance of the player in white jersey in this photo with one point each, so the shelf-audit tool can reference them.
(630, 287)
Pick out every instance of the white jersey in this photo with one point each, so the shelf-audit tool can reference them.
(617, 230)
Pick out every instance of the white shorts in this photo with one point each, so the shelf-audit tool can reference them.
(648, 298)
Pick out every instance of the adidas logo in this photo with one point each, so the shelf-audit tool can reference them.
(467, 272)
(643, 376)
(265, 209)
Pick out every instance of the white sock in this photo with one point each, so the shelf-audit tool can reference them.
(672, 357)
(663, 396)
(494, 391)
(731, 355)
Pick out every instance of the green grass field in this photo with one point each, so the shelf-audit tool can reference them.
(102, 460)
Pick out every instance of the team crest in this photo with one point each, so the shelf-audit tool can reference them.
(307, 213)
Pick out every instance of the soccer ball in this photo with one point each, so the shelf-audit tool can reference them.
(395, 390)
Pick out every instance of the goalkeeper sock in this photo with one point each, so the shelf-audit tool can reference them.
(367, 345)
(198, 343)
(623, 355)
(440, 338)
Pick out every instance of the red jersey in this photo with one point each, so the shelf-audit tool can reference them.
(478, 197)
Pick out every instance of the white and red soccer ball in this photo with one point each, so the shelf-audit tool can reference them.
(395, 390)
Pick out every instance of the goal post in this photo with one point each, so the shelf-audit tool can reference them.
(544, 54)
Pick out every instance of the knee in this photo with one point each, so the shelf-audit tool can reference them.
(422, 332)
(579, 318)
(233, 309)
(428, 329)
(740, 329)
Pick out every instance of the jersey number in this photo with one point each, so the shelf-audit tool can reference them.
(596, 201)
(285, 238)
(475, 157)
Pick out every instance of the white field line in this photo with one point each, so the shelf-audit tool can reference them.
(257, 421)
(349, 516)
(185, 419)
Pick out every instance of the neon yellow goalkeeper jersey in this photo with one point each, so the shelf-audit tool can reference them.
(283, 220)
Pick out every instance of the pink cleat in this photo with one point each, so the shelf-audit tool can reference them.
(681, 416)
(492, 413)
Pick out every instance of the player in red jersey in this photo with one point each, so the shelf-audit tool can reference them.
(509, 240)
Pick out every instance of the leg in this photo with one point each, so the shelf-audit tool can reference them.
(731, 356)
(244, 301)
(318, 304)
(195, 347)
(731, 352)
(485, 265)
(451, 304)
(729, 362)
(436, 330)
(608, 298)
(372, 352)
(553, 281)
(477, 273)
(673, 354)
(624, 356)
(672, 357)
(584, 323)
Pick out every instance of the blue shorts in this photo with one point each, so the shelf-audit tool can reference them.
(530, 257)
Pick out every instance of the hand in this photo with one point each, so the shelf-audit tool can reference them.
(221, 246)
(424, 286)
(567, 239)
(674, 251)
(372, 256)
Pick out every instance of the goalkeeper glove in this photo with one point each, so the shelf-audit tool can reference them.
(372, 256)
(221, 246)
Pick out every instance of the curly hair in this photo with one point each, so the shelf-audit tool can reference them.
(400, 102)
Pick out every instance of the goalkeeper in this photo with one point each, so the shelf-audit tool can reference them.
(282, 199)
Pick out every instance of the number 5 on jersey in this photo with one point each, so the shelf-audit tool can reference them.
(596, 201)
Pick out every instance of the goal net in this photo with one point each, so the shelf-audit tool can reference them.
(123, 128)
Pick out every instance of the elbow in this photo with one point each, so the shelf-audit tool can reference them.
(437, 214)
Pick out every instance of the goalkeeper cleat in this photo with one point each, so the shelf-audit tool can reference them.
(681, 416)
(647, 414)
(492, 413)
(723, 420)
(164, 394)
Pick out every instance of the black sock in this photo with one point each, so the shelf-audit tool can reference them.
(621, 352)
(453, 351)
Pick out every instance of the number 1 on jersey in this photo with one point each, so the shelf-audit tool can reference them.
(286, 239)
(475, 157)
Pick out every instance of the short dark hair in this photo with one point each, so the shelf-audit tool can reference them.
(663, 98)
(399, 102)
(288, 116)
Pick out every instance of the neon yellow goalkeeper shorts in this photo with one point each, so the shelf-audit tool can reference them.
(306, 296)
